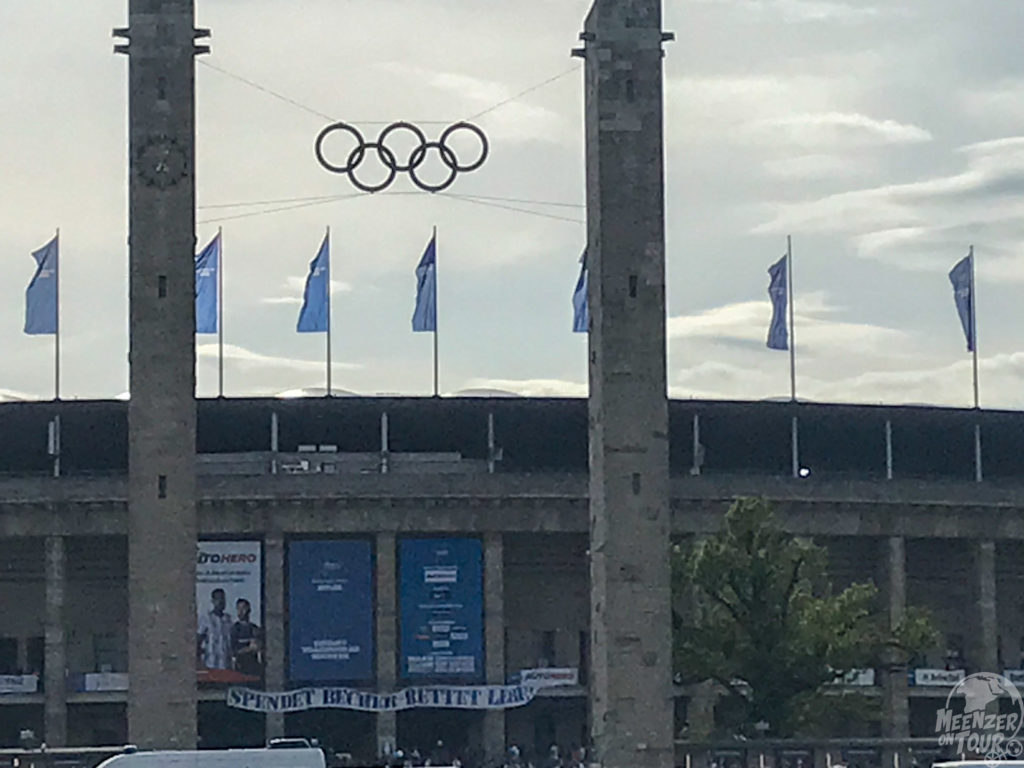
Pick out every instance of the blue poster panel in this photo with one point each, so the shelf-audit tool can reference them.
(330, 611)
(442, 617)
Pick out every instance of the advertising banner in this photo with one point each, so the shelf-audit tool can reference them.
(229, 592)
(441, 598)
(330, 611)
(938, 677)
(19, 683)
(856, 677)
(105, 681)
(550, 677)
(432, 697)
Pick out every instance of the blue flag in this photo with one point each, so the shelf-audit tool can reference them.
(316, 302)
(580, 307)
(778, 292)
(963, 293)
(207, 285)
(424, 316)
(41, 295)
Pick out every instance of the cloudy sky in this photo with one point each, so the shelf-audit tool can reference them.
(886, 137)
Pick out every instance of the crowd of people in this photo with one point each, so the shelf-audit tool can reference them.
(440, 755)
(576, 758)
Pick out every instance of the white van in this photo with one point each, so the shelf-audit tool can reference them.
(220, 758)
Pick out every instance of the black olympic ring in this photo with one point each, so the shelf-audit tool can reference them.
(389, 159)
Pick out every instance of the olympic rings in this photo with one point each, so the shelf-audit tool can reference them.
(389, 159)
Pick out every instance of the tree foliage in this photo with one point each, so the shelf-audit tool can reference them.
(767, 627)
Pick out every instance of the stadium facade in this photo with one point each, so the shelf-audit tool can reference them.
(893, 492)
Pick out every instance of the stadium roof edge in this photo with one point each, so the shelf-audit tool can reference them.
(501, 400)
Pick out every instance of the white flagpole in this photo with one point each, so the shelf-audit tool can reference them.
(974, 359)
(436, 377)
(56, 335)
(792, 329)
(974, 328)
(329, 271)
(220, 311)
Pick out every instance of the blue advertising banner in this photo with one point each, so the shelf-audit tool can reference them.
(442, 617)
(330, 611)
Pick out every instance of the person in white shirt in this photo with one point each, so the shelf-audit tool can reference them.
(213, 646)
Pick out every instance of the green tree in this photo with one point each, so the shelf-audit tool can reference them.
(767, 627)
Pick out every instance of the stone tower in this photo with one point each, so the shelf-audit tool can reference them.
(160, 44)
(631, 687)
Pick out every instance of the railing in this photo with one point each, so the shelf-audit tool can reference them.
(809, 753)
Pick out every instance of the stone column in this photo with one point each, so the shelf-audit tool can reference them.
(55, 726)
(895, 707)
(387, 637)
(985, 655)
(494, 643)
(160, 42)
(273, 625)
(631, 646)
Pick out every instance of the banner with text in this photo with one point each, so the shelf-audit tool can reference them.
(229, 601)
(938, 677)
(550, 677)
(19, 683)
(433, 697)
(330, 611)
(442, 617)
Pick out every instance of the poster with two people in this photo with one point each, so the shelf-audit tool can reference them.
(229, 591)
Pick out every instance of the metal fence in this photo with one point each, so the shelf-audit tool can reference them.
(825, 753)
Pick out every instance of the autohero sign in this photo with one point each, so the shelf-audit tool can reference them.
(224, 558)
(979, 728)
(229, 606)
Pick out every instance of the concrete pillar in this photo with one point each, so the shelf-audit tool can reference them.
(162, 413)
(273, 626)
(895, 706)
(55, 726)
(985, 656)
(631, 647)
(387, 637)
(494, 644)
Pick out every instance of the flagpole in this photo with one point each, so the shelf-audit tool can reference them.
(974, 357)
(974, 329)
(328, 311)
(56, 329)
(792, 329)
(220, 311)
(436, 378)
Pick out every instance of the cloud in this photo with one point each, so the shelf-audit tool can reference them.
(820, 10)
(1001, 102)
(533, 387)
(817, 329)
(816, 167)
(949, 384)
(517, 120)
(838, 128)
(1001, 377)
(917, 225)
(802, 10)
(7, 395)
(245, 359)
(295, 287)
